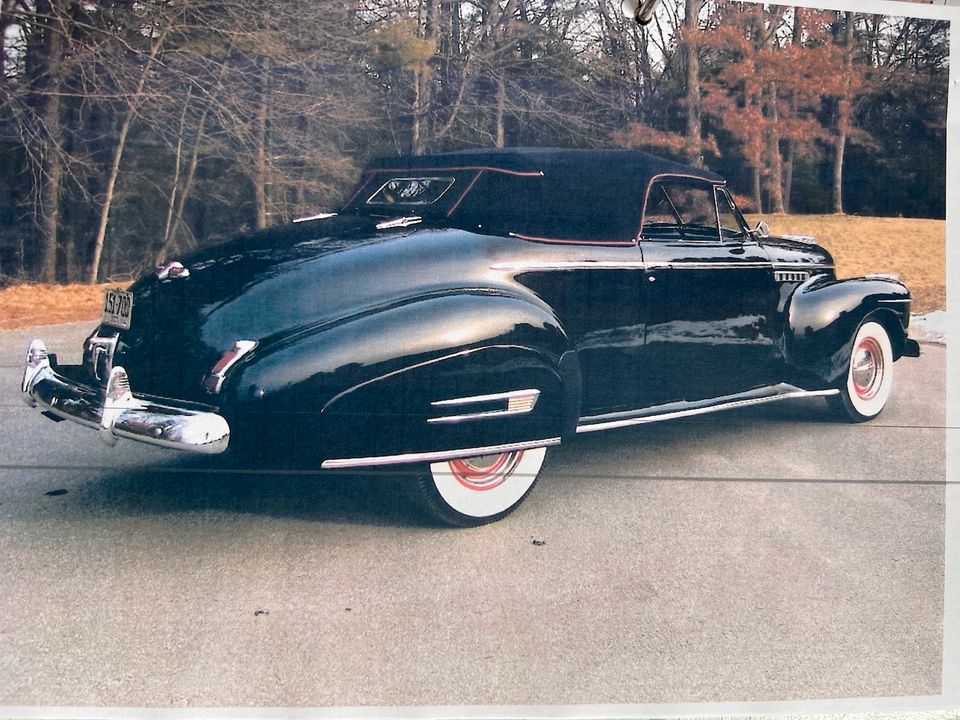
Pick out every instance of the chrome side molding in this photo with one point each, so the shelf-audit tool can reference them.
(516, 402)
(437, 456)
(674, 411)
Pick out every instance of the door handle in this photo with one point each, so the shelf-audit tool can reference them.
(737, 251)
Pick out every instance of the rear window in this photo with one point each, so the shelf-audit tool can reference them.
(411, 191)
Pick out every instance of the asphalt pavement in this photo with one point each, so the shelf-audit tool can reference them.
(763, 554)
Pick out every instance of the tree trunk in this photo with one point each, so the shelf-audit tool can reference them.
(170, 241)
(132, 106)
(757, 194)
(691, 28)
(789, 149)
(499, 132)
(175, 184)
(789, 154)
(775, 180)
(50, 138)
(838, 149)
(844, 115)
(645, 69)
(260, 160)
(416, 125)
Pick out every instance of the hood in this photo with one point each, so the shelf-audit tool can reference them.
(790, 250)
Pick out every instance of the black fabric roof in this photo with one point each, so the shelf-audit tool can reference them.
(603, 165)
(549, 192)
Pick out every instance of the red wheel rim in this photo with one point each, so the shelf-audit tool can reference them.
(866, 368)
(485, 472)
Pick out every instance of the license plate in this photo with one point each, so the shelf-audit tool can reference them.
(117, 308)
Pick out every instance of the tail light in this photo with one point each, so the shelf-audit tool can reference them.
(214, 379)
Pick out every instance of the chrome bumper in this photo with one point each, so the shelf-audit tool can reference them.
(116, 412)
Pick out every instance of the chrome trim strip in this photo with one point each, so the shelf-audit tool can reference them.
(519, 402)
(895, 300)
(707, 265)
(639, 264)
(487, 398)
(400, 222)
(571, 265)
(450, 419)
(435, 456)
(318, 216)
(802, 266)
(645, 419)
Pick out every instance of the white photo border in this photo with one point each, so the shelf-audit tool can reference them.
(949, 698)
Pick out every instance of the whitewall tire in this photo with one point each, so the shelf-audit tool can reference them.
(869, 378)
(474, 491)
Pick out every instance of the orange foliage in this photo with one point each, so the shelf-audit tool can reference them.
(768, 86)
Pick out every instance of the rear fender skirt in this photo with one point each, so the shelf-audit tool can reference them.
(823, 316)
(488, 396)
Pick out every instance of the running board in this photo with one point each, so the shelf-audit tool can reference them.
(675, 410)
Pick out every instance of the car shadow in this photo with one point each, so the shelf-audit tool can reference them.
(378, 497)
(198, 485)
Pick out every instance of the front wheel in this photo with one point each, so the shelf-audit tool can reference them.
(869, 378)
(473, 491)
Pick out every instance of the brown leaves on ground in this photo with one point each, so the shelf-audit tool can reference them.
(915, 249)
(29, 305)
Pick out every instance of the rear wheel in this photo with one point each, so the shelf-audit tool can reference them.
(473, 491)
(869, 377)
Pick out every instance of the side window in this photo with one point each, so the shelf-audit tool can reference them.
(730, 225)
(681, 209)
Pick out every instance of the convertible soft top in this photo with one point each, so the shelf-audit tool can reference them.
(607, 167)
(588, 195)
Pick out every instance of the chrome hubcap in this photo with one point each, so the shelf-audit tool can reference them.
(867, 368)
(485, 472)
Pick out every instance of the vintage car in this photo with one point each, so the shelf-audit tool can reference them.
(466, 311)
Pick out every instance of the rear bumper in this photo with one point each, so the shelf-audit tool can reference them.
(116, 412)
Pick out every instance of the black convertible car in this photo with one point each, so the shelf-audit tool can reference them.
(466, 311)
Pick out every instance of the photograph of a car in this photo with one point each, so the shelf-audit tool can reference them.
(508, 358)
(464, 312)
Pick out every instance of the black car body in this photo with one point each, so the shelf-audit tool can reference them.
(465, 311)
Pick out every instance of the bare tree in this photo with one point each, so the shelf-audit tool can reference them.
(844, 111)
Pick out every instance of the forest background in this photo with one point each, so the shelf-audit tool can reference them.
(137, 129)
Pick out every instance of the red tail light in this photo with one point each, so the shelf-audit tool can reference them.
(214, 379)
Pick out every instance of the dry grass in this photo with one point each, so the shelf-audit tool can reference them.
(27, 305)
(913, 248)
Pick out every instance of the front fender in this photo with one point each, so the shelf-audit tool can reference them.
(823, 317)
(365, 387)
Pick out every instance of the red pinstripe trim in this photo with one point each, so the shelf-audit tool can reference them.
(359, 189)
(560, 241)
(464, 193)
(534, 173)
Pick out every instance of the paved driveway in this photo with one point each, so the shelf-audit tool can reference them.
(754, 555)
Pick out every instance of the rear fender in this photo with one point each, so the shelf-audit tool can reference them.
(823, 316)
(366, 387)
